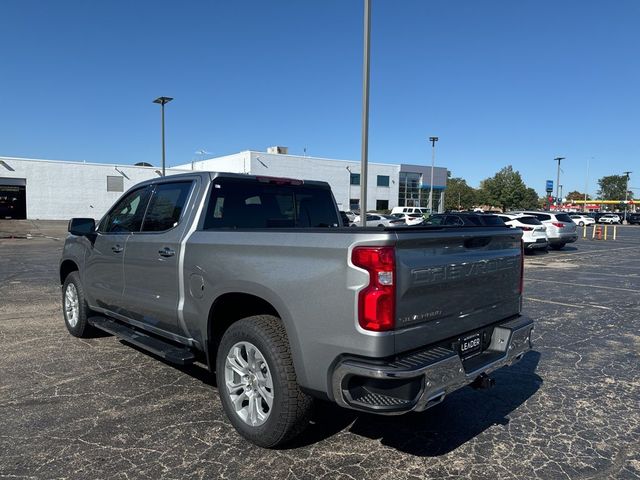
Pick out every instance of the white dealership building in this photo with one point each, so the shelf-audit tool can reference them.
(59, 190)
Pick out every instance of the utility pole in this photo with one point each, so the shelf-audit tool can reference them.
(433, 141)
(626, 195)
(558, 159)
(365, 115)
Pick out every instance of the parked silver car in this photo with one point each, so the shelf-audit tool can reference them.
(560, 228)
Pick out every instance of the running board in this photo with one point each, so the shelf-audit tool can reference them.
(163, 349)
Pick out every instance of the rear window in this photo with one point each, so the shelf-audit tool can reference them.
(529, 221)
(563, 217)
(242, 204)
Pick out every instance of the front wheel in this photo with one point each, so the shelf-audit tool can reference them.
(74, 307)
(257, 382)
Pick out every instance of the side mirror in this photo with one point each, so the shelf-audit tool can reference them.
(81, 226)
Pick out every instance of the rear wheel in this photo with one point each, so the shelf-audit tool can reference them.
(581, 224)
(257, 382)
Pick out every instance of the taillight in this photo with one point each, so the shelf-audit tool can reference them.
(526, 229)
(521, 267)
(377, 301)
(557, 224)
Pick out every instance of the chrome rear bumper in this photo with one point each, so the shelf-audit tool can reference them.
(420, 380)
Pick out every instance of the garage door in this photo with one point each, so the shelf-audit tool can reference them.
(13, 199)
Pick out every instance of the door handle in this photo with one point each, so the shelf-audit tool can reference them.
(166, 252)
(117, 249)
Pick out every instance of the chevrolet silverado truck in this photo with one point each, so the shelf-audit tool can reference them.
(257, 278)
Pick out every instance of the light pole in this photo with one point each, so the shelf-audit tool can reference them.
(433, 141)
(365, 114)
(626, 196)
(162, 101)
(558, 159)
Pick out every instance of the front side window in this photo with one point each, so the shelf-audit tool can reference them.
(166, 206)
(126, 216)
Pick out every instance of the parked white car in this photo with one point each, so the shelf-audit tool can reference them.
(409, 218)
(534, 233)
(582, 220)
(609, 218)
(377, 220)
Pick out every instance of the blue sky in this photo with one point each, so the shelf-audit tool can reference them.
(500, 82)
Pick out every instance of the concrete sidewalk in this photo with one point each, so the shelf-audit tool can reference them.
(33, 228)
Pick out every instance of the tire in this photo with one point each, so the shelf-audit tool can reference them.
(557, 246)
(74, 307)
(290, 409)
(581, 224)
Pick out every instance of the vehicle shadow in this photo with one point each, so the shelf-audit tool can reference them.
(462, 416)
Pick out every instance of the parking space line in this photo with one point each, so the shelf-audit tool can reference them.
(566, 304)
(584, 285)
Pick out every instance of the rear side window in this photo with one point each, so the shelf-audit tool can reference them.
(530, 221)
(248, 204)
(542, 216)
(563, 217)
(166, 206)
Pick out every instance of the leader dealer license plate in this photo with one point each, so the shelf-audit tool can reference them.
(470, 345)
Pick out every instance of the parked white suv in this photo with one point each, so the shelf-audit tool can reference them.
(534, 233)
(609, 218)
(560, 228)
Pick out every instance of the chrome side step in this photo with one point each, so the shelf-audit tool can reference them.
(163, 349)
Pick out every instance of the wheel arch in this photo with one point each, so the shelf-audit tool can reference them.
(229, 307)
(66, 267)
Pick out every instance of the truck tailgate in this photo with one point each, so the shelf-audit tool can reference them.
(453, 281)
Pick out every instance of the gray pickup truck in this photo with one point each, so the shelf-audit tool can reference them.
(256, 278)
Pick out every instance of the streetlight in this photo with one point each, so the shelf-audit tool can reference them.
(433, 141)
(558, 159)
(162, 101)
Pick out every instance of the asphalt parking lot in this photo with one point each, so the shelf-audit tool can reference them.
(72, 408)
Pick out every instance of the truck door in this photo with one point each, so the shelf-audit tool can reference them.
(151, 263)
(103, 274)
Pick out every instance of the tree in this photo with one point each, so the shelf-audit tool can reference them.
(459, 195)
(613, 187)
(576, 195)
(507, 190)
